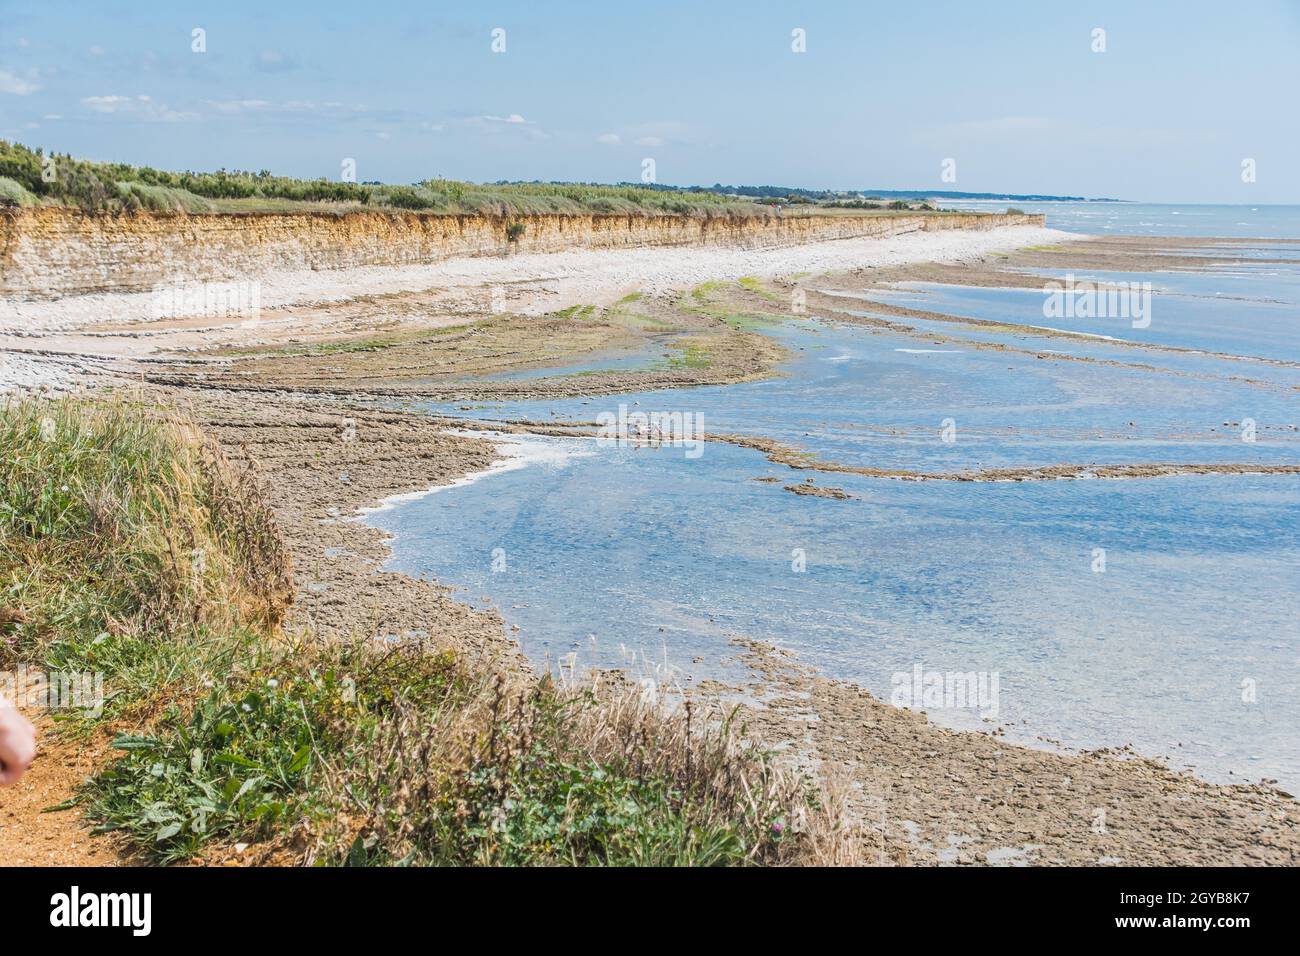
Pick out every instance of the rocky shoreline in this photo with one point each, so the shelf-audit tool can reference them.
(922, 794)
(308, 395)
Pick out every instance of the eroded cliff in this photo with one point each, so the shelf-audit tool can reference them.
(52, 252)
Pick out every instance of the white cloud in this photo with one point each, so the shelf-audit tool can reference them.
(106, 104)
(288, 106)
(239, 106)
(96, 51)
(138, 107)
(510, 125)
(609, 139)
(657, 134)
(12, 83)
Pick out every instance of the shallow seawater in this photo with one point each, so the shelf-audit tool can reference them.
(1155, 612)
(885, 400)
(620, 554)
(1250, 328)
(1157, 219)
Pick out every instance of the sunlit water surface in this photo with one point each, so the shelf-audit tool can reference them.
(1159, 613)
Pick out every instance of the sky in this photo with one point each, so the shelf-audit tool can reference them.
(1005, 97)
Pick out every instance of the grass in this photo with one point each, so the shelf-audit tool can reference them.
(136, 195)
(553, 775)
(691, 356)
(12, 193)
(578, 312)
(131, 546)
(127, 544)
(369, 343)
(751, 284)
(114, 187)
(119, 186)
(703, 299)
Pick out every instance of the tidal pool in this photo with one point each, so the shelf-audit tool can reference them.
(1158, 613)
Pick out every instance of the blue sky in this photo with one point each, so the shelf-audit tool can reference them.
(1012, 91)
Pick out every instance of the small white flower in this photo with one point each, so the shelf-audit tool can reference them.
(273, 683)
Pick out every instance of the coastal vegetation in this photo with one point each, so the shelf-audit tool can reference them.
(32, 176)
(131, 546)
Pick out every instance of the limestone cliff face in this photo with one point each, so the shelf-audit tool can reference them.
(52, 252)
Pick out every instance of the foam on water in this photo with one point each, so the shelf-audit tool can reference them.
(516, 452)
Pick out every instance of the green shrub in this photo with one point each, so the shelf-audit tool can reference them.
(236, 769)
(13, 193)
(407, 197)
(161, 198)
(111, 186)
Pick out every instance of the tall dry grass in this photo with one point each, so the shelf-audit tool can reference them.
(558, 773)
(130, 547)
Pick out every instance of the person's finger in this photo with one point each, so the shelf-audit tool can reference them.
(14, 761)
(17, 745)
